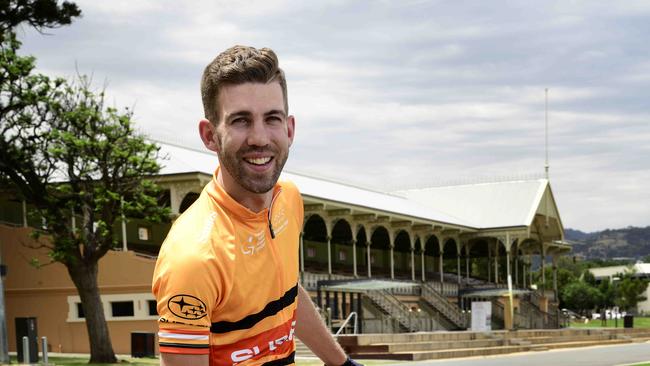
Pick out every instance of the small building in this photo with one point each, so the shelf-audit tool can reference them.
(638, 270)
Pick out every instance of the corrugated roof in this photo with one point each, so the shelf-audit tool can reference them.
(184, 160)
(485, 205)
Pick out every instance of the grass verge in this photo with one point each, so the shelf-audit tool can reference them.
(639, 322)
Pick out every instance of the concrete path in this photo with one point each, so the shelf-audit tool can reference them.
(589, 356)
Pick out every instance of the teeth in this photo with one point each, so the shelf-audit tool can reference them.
(259, 161)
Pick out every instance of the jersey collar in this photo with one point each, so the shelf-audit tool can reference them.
(221, 197)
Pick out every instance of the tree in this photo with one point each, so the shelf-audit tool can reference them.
(580, 296)
(39, 14)
(608, 294)
(630, 290)
(68, 154)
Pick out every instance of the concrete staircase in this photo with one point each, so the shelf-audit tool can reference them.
(438, 345)
(447, 309)
(392, 307)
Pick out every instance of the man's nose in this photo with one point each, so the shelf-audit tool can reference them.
(258, 135)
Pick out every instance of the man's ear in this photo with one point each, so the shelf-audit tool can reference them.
(208, 134)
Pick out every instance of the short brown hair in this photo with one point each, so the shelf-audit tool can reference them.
(238, 65)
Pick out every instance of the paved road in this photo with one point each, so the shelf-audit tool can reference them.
(589, 356)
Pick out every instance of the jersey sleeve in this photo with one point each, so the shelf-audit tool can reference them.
(186, 292)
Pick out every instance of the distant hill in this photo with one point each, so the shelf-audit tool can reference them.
(630, 242)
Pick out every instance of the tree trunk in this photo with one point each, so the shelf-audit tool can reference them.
(84, 276)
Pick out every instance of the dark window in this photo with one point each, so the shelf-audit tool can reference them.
(122, 308)
(152, 307)
(80, 311)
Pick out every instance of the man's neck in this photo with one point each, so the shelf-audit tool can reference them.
(255, 202)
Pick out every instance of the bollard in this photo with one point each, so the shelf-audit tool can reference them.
(44, 348)
(26, 359)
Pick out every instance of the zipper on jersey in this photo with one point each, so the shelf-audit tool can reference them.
(270, 216)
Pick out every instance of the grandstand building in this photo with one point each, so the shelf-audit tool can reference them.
(403, 261)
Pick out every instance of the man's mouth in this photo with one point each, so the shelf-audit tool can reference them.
(259, 161)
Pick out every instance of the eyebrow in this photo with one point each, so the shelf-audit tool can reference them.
(248, 114)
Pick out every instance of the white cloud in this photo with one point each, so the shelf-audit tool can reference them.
(397, 94)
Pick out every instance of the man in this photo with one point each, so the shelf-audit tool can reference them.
(226, 280)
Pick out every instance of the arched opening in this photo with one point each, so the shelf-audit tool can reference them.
(479, 263)
(402, 256)
(187, 201)
(342, 248)
(431, 254)
(314, 241)
(380, 252)
(450, 253)
(362, 251)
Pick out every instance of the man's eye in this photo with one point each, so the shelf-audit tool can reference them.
(239, 121)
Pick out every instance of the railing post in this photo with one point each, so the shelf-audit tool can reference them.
(26, 350)
(44, 349)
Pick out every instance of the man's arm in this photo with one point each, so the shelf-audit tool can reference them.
(312, 331)
(173, 359)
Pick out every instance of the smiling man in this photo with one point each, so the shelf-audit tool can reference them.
(226, 280)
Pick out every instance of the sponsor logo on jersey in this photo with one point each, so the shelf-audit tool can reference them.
(187, 307)
(242, 355)
(254, 243)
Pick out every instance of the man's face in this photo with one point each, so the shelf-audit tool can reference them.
(253, 134)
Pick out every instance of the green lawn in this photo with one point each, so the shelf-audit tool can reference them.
(639, 322)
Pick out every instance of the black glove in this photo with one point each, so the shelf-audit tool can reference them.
(351, 362)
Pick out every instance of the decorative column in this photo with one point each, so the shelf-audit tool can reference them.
(392, 262)
(423, 266)
(412, 264)
(508, 273)
(368, 259)
(442, 277)
(467, 268)
(329, 256)
(515, 261)
(458, 274)
(354, 258)
(523, 278)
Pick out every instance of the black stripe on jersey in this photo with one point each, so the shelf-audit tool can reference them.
(249, 321)
(281, 362)
(183, 345)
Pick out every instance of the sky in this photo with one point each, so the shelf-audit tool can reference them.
(402, 94)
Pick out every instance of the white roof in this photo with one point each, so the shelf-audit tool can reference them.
(639, 268)
(486, 205)
(478, 206)
(185, 160)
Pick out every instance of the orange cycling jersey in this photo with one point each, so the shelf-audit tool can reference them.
(226, 279)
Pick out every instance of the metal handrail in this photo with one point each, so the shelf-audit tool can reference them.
(352, 314)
